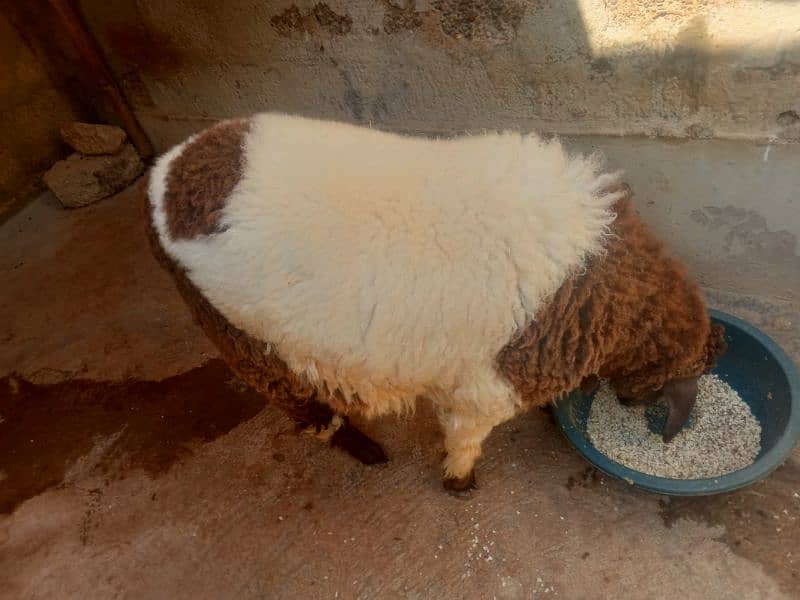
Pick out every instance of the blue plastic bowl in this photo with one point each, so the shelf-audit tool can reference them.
(755, 366)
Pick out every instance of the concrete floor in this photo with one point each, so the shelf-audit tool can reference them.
(133, 465)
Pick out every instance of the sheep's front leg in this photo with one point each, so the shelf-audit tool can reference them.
(468, 416)
(463, 437)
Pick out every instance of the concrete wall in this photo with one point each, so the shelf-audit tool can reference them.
(33, 106)
(730, 209)
(683, 68)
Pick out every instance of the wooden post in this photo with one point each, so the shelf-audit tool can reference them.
(93, 60)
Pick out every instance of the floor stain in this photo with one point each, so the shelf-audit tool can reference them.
(761, 522)
(44, 429)
(588, 478)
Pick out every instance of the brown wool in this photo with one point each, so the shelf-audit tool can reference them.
(634, 316)
(201, 179)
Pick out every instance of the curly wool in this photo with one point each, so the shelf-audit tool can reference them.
(634, 316)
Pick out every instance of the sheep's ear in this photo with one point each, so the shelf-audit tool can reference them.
(680, 396)
(590, 384)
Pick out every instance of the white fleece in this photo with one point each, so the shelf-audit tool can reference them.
(392, 266)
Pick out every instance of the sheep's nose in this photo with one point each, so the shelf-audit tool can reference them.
(680, 395)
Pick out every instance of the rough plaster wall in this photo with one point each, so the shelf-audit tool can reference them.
(32, 109)
(685, 68)
(731, 210)
(671, 68)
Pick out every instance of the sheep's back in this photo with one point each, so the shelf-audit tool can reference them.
(377, 264)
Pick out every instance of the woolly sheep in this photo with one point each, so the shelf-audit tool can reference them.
(343, 270)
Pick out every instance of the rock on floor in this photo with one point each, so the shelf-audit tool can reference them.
(92, 140)
(81, 180)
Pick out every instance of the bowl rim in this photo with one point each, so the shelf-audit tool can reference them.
(770, 461)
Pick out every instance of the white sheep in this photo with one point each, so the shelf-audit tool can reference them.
(340, 269)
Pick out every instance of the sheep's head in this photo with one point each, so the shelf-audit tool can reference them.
(679, 393)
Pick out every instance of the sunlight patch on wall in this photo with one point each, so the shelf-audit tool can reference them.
(754, 28)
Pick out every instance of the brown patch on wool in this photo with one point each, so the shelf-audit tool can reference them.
(256, 363)
(201, 179)
(634, 316)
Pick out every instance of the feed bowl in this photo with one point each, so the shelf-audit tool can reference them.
(766, 379)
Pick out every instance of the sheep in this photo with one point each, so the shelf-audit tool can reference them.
(342, 270)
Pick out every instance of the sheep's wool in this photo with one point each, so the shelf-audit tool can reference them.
(392, 267)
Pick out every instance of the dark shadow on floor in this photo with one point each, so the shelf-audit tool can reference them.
(45, 428)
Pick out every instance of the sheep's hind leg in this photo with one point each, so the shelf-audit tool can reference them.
(255, 363)
(320, 420)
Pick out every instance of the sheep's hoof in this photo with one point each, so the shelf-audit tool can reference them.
(460, 487)
(358, 445)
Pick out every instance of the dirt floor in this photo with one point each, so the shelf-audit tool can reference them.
(133, 465)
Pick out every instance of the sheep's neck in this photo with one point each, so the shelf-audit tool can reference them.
(633, 315)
